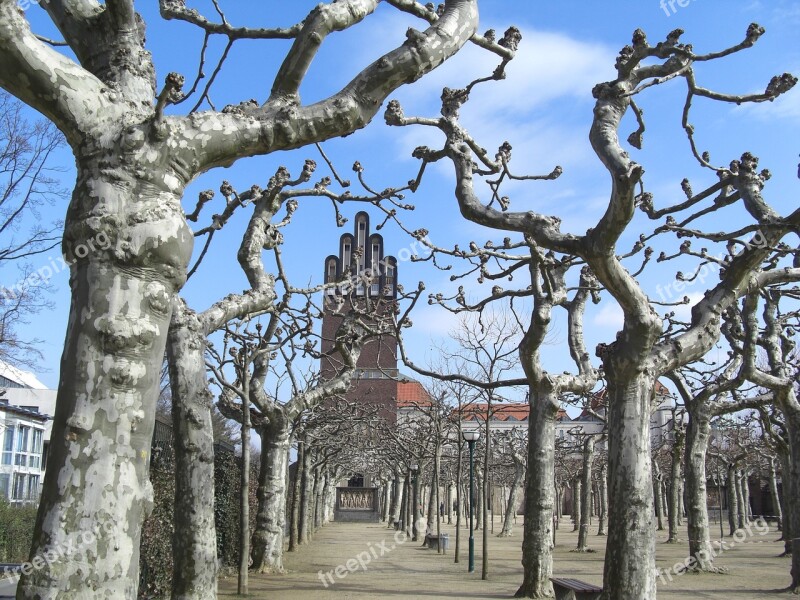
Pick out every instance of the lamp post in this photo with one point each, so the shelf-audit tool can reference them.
(471, 436)
(415, 500)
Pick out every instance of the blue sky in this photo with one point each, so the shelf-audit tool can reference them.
(543, 108)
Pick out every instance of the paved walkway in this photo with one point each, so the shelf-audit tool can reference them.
(382, 566)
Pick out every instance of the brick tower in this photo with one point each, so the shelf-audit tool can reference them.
(371, 286)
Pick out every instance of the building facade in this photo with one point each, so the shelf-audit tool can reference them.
(26, 416)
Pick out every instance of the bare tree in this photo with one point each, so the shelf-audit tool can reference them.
(644, 349)
(28, 187)
(133, 164)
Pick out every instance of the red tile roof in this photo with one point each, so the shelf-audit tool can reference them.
(412, 393)
(516, 411)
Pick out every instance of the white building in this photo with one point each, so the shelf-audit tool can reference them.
(26, 410)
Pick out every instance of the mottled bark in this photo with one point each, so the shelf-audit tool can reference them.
(577, 503)
(630, 555)
(537, 541)
(194, 555)
(675, 481)
(698, 430)
(306, 483)
(268, 536)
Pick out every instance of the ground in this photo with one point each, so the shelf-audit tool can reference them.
(406, 570)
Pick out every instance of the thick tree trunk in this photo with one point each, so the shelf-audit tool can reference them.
(586, 494)
(128, 246)
(630, 571)
(194, 541)
(537, 540)
(397, 493)
(271, 516)
(698, 430)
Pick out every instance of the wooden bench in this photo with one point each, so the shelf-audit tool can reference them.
(574, 589)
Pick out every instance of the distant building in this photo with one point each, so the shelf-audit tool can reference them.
(26, 416)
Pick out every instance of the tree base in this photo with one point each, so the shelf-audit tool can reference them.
(525, 592)
(710, 570)
(584, 550)
(505, 534)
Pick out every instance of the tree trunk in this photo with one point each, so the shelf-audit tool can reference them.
(630, 570)
(788, 501)
(740, 507)
(603, 500)
(698, 430)
(513, 497)
(773, 491)
(792, 419)
(294, 524)
(194, 540)
(733, 499)
(478, 509)
(746, 512)
(244, 501)
(271, 516)
(128, 247)
(306, 483)
(577, 504)
(657, 496)
(459, 496)
(674, 500)
(586, 494)
(537, 540)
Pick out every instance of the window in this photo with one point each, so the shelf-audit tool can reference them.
(18, 492)
(389, 280)
(5, 479)
(36, 447)
(33, 487)
(331, 276)
(22, 438)
(346, 256)
(8, 445)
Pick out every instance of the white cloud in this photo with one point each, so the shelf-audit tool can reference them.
(610, 315)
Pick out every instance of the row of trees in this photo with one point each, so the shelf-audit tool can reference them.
(134, 159)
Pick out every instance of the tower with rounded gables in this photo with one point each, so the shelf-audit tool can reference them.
(367, 280)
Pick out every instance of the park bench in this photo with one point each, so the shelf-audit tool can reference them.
(574, 589)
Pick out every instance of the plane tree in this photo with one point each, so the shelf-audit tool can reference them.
(134, 157)
(645, 348)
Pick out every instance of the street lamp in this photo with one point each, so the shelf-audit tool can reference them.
(471, 436)
(415, 500)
